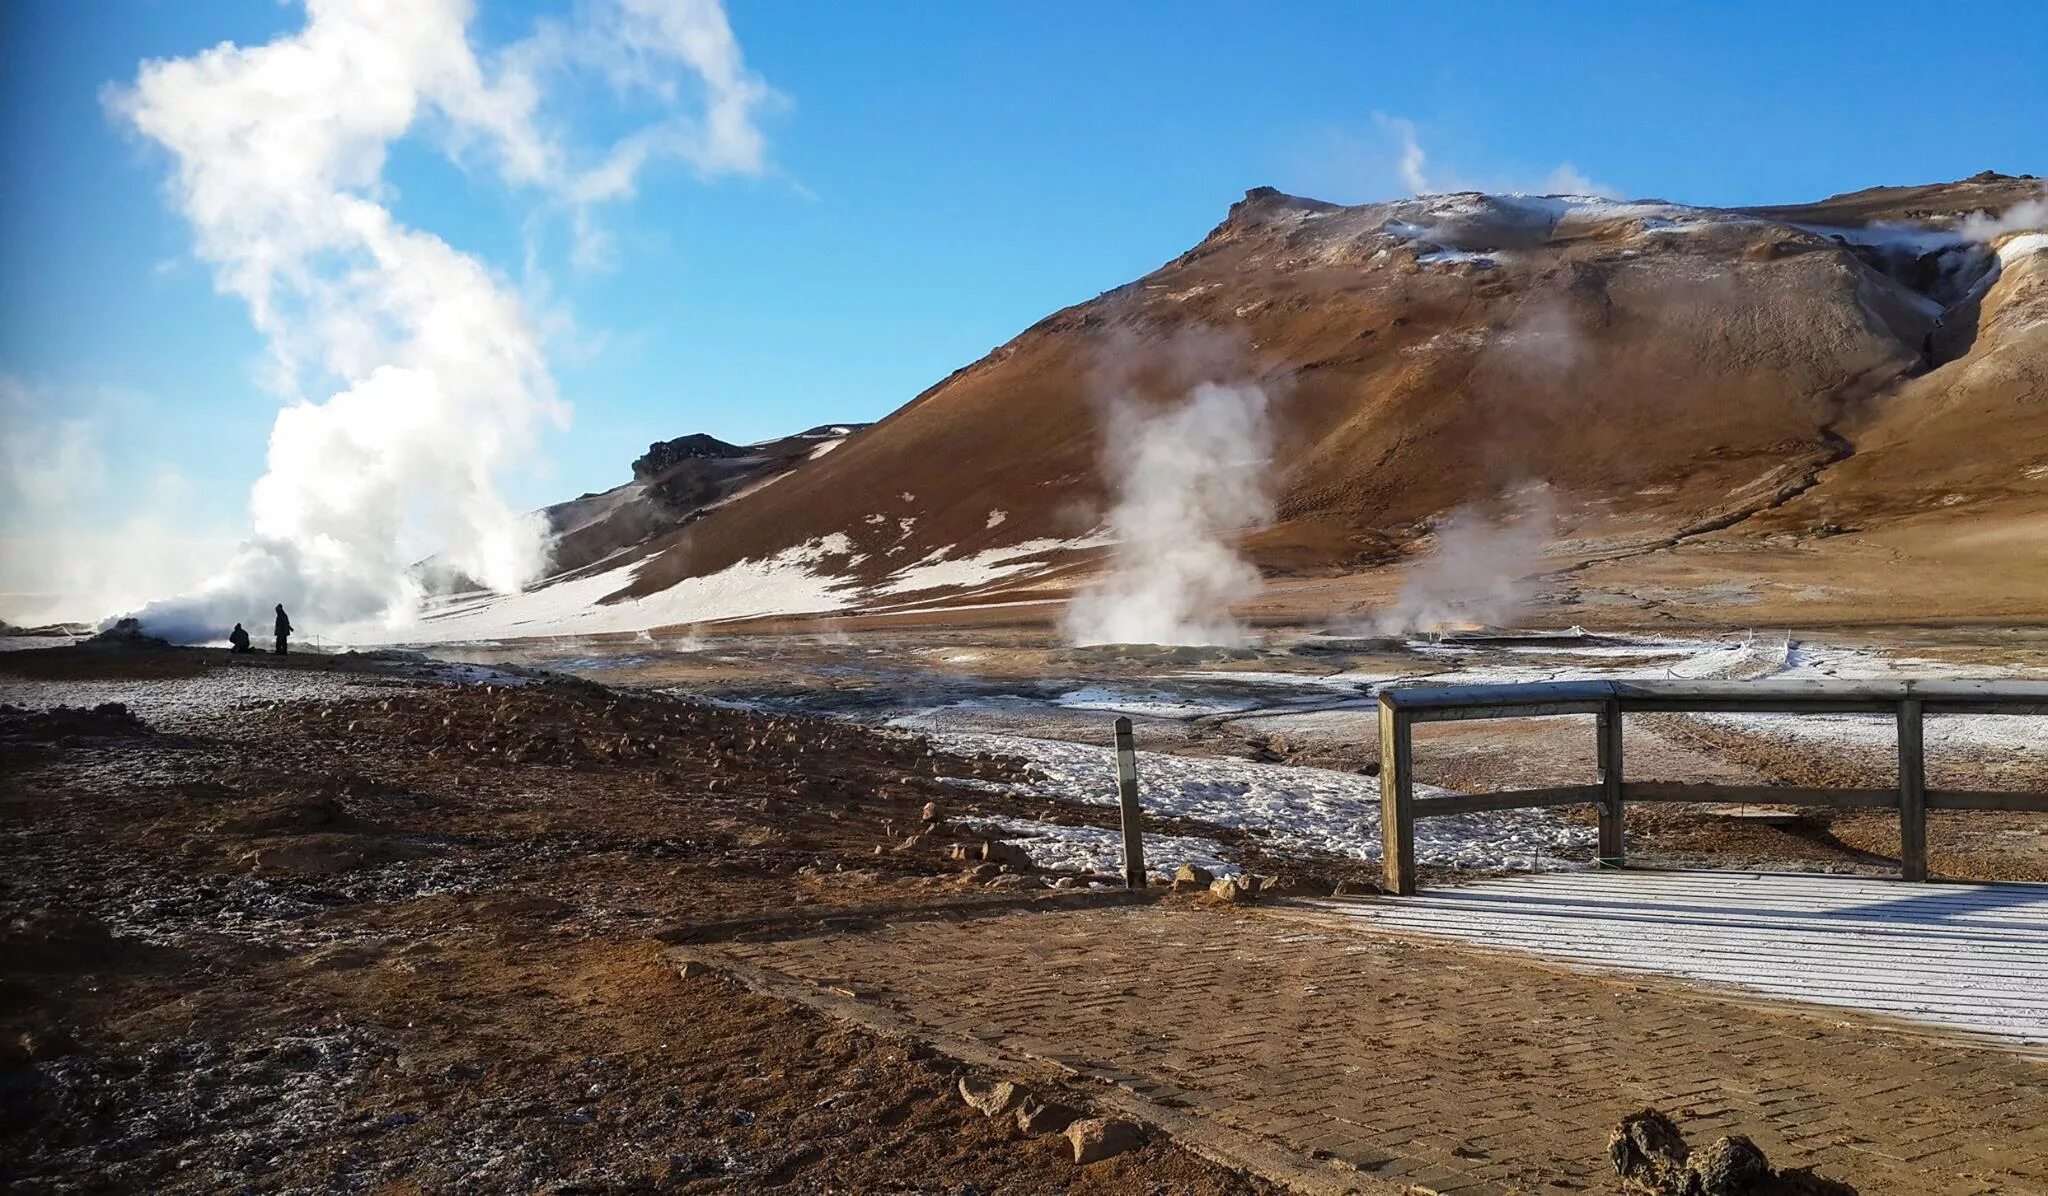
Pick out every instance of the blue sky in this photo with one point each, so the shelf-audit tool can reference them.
(941, 176)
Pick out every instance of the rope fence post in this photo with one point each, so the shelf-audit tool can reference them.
(1127, 800)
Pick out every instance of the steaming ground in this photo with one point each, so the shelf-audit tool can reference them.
(1270, 742)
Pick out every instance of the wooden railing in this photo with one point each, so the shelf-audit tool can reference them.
(1909, 702)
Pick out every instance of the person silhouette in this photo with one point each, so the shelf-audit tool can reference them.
(238, 640)
(284, 629)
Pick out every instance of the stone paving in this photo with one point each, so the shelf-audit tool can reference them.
(1411, 1061)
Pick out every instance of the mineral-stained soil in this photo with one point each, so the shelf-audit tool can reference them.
(349, 926)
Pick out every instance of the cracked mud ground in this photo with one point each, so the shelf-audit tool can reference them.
(331, 925)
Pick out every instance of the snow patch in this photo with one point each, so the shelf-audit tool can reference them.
(783, 584)
(1095, 849)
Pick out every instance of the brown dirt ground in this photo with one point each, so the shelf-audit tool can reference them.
(408, 943)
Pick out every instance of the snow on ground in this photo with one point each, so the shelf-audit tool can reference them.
(1151, 704)
(784, 584)
(2024, 245)
(191, 704)
(1290, 807)
(990, 565)
(1970, 957)
(1096, 849)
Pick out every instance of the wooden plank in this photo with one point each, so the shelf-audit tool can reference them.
(1397, 800)
(1912, 793)
(1511, 799)
(1613, 845)
(1457, 714)
(2006, 706)
(1818, 703)
(1762, 795)
(1127, 801)
(1415, 698)
(1987, 799)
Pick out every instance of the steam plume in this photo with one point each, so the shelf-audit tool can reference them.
(1186, 477)
(1479, 571)
(279, 156)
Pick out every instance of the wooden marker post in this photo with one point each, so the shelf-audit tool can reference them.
(1397, 800)
(1912, 793)
(1127, 799)
(1613, 844)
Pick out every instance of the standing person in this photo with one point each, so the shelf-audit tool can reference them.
(284, 629)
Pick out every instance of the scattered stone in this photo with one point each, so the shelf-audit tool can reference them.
(990, 1100)
(933, 813)
(963, 852)
(1652, 1159)
(1035, 1117)
(1648, 1152)
(694, 969)
(981, 874)
(47, 1043)
(913, 843)
(1098, 1138)
(995, 851)
(1236, 889)
(1192, 878)
(1730, 1166)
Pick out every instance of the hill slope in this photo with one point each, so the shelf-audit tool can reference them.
(1691, 386)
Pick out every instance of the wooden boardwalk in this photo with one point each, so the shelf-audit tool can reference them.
(1969, 958)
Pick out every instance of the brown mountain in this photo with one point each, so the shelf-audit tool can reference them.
(1737, 413)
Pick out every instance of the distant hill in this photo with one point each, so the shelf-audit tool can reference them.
(1826, 411)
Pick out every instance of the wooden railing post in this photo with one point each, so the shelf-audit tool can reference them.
(1613, 841)
(1127, 800)
(1397, 799)
(1912, 792)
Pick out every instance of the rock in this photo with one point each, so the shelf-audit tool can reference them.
(1036, 1117)
(1098, 1138)
(1014, 880)
(933, 812)
(913, 843)
(990, 1100)
(1648, 1153)
(995, 851)
(1235, 889)
(1727, 1167)
(1191, 878)
(50, 1042)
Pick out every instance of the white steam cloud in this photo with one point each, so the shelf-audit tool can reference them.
(443, 383)
(1481, 570)
(1186, 478)
(2029, 215)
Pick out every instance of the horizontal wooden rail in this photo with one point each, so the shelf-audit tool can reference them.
(1907, 702)
(1513, 799)
(1987, 799)
(1762, 795)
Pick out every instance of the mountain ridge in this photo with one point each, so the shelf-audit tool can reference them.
(1670, 373)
